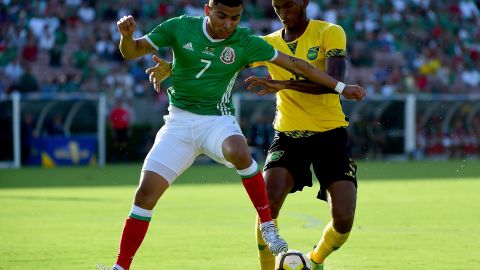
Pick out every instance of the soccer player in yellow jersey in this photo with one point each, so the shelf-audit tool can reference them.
(310, 125)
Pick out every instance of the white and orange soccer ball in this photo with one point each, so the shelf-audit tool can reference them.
(292, 260)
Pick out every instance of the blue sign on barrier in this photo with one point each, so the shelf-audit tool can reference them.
(64, 151)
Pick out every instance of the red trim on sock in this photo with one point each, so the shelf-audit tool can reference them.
(132, 236)
(257, 192)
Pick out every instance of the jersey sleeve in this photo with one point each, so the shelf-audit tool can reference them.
(258, 50)
(258, 64)
(335, 41)
(163, 35)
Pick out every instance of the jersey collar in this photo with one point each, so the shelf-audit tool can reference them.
(299, 37)
(204, 26)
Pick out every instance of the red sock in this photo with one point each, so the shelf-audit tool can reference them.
(257, 192)
(132, 236)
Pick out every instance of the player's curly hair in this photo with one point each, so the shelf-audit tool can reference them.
(229, 3)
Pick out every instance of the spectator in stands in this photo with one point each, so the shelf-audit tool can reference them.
(104, 46)
(437, 41)
(120, 119)
(61, 37)
(55, 56)
(86, 13)
(50, 86)
(27, 82)
(69, 82)
(47, 39)
(14, 70)
(30, 51)
(82, 56)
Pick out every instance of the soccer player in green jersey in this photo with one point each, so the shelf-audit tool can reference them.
(208, 54)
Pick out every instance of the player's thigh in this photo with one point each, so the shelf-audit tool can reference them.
(290, 154)
(215, 134)
(172, 153)
(331, 159)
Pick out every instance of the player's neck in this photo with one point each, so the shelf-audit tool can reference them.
(209, 29)
(290, 34)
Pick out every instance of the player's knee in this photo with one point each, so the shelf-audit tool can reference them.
(145, 198)
(238, 155)
(343, 220)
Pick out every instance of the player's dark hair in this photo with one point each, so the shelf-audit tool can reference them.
(228, 3)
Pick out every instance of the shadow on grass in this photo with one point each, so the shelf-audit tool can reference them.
(128, 174)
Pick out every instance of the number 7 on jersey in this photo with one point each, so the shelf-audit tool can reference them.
(208, 62)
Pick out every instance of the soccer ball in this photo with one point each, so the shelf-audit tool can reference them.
(292, 260)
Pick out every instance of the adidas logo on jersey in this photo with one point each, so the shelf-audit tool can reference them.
(188, 46)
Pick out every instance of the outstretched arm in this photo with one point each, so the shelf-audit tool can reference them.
(336, 68)
(302, 68)
(269, 86)
(129, 47)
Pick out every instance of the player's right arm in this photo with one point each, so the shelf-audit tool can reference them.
(129, 47)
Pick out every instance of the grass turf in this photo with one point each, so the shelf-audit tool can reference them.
(409, 215)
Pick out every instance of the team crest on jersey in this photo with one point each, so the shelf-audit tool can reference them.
(312, 53)
(228, 55)
(275, 156)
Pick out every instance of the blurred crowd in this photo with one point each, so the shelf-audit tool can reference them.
(394, 46)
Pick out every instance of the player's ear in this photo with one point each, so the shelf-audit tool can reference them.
(305, 3)
(207, 10)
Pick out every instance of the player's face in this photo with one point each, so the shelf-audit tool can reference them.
(223, 20)
(290, 12)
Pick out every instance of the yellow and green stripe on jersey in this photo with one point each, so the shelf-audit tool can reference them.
(297, 111)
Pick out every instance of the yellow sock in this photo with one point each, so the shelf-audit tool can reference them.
(331, 241)
(265, 256)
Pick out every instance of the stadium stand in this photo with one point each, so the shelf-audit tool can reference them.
(395, 47)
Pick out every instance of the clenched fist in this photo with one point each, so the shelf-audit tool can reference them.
(126, 26)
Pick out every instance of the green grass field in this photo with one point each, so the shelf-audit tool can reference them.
(423, 215)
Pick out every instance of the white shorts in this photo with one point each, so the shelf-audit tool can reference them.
(184, 137)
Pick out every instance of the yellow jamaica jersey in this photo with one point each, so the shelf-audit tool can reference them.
(297, 111)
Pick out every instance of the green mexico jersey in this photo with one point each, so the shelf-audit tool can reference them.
(204, 69)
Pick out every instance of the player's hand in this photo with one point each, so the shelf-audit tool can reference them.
(267, 86)
(158, 73)
(354, 92)
(126, 26)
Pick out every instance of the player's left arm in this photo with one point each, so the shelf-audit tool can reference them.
(158, 73)
(302, 68)
(336, 68)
